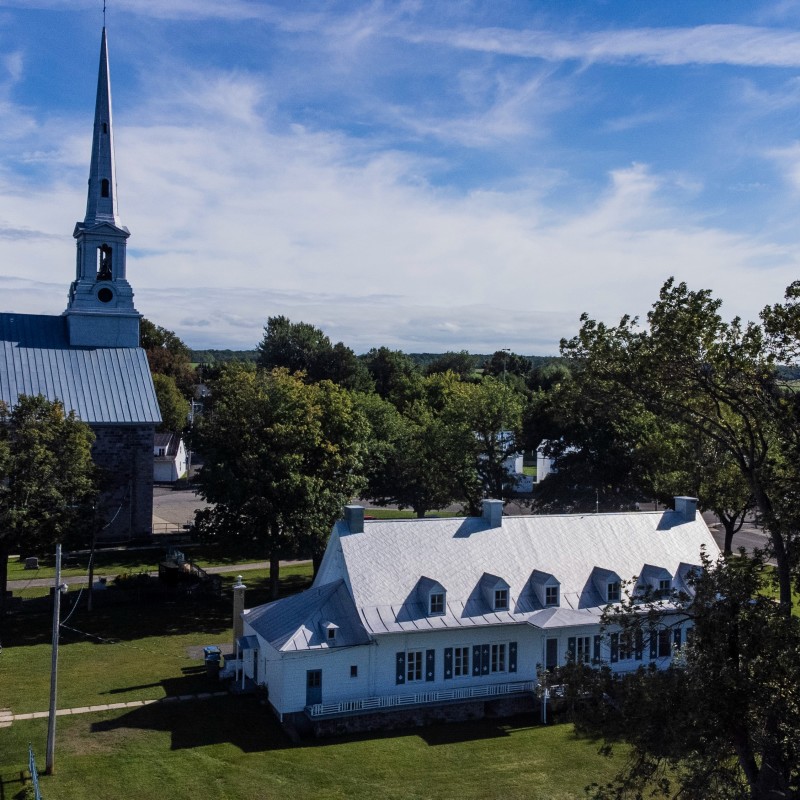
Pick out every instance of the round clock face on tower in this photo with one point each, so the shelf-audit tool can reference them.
(105, 295)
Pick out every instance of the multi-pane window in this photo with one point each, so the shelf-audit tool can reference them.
(664, 586)
(551, 595)
(498, 658)
(613, 592)
(582, 652)
(414, 665)
(500, 599)
(460, 662)
(625, 645)
(437, 603)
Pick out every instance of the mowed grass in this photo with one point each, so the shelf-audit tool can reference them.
(232, 747)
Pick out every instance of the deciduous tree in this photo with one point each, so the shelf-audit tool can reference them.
(281, 459)
(47, 479)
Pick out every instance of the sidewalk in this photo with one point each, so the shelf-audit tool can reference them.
(7, 717)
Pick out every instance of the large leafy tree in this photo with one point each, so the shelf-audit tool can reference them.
(173, 405)
(47, 479)
(723, 721)
(300, 347)
(415, 462)
(690, 367)
(281, 459)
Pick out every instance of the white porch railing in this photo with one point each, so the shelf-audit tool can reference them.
(421, 698)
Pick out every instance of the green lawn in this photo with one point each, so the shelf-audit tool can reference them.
(232, 747)
(392, 513)
(117, 561)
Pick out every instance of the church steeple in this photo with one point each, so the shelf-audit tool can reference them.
(101, 205)
(100, 310)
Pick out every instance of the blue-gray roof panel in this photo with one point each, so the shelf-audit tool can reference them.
(102, 385)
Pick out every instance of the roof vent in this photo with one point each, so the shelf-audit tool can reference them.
(354, 517)
(686, 507)
(493, 513)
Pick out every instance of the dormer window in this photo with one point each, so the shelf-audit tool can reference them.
(329, 631)
(551, 595)
(613, 592)
(436, 604)
(495, 592)
(664, 587)
(608, 586)
(431, 597)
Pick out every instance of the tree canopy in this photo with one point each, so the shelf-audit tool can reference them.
(47, 479)
(281, 459)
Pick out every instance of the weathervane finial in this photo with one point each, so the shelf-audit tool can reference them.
(104, 13)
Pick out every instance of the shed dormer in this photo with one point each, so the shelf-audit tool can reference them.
(608, 584)
(546, 588)
(495, 592)
(432, 596)
(654, 581)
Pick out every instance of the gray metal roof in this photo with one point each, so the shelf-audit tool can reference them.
(297, 622)
(102, 385)
(375, 575)
(382, 565)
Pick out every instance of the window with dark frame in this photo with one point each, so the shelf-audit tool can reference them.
(613, 592)
(460, 662)
(436, 603)
(498, 658)
(500, 599)
(551, 595)
(414, 666)
(354, 671)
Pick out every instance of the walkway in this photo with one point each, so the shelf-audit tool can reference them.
(7, 717)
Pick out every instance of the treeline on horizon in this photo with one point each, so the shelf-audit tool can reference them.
(421, 360)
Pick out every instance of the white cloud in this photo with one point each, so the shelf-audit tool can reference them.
(740, 45)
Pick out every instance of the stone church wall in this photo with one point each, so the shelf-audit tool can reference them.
(124, 453)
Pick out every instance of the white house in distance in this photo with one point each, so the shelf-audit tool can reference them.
(170, 460)
(421, 619)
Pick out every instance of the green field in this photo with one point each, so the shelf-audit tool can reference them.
(232, 747)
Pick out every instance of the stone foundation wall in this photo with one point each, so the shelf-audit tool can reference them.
(416, 717)
(124, 454)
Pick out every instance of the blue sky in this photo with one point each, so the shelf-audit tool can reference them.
(425, 175)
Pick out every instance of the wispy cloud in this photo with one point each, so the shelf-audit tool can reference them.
(705, 44)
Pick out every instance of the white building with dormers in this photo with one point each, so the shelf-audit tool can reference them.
(426, 614)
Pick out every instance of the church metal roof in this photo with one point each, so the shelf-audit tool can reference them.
(102, 385)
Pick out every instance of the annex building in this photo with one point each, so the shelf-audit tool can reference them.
(422, 619)
(89, 357)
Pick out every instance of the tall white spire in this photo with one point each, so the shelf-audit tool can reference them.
(101, 204)
(100, 311)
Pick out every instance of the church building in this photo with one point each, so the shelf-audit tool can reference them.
(89, 357)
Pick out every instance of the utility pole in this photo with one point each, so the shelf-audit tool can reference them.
(51, 723)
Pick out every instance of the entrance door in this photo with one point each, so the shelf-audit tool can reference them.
(551, 654)
(313, 687)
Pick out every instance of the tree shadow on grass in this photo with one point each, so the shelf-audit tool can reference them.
(237, 720)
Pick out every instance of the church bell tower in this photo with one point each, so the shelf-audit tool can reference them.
(100, 310)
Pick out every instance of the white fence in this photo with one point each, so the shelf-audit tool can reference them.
(421, 698)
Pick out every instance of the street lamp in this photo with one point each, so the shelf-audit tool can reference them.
(60, 588)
